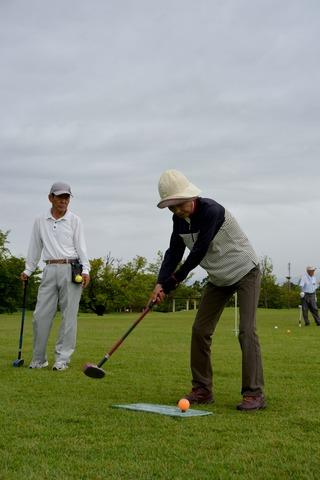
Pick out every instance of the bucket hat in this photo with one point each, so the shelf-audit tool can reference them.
(175, 188)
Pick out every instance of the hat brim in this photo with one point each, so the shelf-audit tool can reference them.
(62, 192)
(180, 197)
(170, 202)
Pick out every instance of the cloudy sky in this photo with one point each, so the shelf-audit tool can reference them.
(107, 94)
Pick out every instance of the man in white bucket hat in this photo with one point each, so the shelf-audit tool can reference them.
(217, 243)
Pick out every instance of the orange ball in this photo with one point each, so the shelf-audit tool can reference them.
(183, 404)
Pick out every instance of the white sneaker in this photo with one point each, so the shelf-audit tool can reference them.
(60, 366)
(38, 364)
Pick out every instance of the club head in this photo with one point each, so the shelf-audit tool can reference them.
(18, 363)
(93, 371)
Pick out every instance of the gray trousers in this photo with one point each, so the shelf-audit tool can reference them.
(211, 307)
(309, 302)
(56, 288)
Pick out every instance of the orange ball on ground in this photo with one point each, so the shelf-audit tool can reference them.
(183, 404)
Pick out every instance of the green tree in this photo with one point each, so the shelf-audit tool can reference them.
(117, 287)
(155, 266)
(4, 251)
(290, 296)
(99, 294)
(270, 295)
(10, 283)
(137, 283)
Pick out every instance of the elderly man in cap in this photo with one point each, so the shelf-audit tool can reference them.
(308, 285)
(217, 243)
(58, 237)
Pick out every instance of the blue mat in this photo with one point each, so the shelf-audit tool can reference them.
(163, 410)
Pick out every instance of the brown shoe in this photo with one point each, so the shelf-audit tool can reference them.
(199, 396)
(250, 403)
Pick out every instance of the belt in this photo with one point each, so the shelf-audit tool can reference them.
(61, 261)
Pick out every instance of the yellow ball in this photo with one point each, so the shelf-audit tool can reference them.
(78, 278)
(183, 404)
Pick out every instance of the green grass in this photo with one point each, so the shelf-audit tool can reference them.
(61, 425)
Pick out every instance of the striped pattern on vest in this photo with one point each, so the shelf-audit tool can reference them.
(230, 255)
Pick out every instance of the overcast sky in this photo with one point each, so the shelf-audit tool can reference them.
(107, 94)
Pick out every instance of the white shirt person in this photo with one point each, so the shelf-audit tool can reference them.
(58, 238)
(308, 285)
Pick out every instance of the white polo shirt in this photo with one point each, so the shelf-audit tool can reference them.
(308, 284)
(53, 238)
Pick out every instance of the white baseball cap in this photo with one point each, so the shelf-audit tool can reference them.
(175, 188)
(59, 188)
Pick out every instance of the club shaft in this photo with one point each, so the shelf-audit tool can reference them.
(124, 336)
(104, 360)
(23, 313)
(117, 344)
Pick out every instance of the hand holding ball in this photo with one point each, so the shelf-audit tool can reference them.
(183, 404)
(78, 278)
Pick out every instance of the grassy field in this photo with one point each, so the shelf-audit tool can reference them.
(61, 425)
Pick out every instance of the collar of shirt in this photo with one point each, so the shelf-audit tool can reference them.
(49, 216)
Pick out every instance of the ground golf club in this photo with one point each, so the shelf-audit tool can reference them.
(19, 361)
(95, 371)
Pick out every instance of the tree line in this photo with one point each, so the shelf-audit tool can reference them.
(116, 286)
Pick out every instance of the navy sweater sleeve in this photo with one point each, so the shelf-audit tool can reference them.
(210, 221)
(172, 257)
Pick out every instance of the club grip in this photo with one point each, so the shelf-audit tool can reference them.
(151, 304)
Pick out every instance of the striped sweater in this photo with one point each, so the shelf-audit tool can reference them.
(216, 243)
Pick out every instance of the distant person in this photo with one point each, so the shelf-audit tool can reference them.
(217, 243)
(57, 236)
(308, 285)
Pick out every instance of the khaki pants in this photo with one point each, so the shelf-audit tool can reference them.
(56, 288)
(211, 307)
